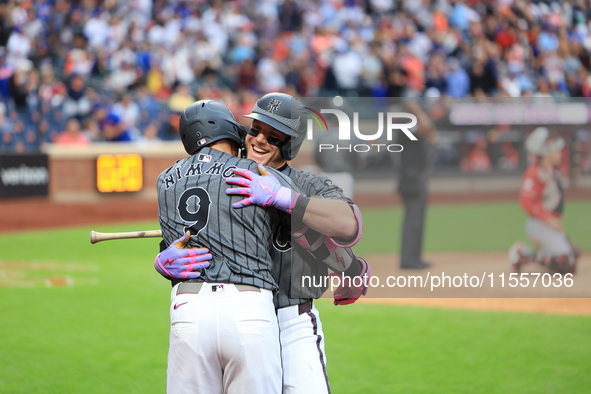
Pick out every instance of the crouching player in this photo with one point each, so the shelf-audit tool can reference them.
(542, 198)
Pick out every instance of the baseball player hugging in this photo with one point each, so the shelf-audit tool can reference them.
(224, 334)
(542, 198)
(306, 243)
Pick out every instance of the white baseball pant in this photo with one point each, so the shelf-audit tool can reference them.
(302, 351)
(551, 242)
(223, 340)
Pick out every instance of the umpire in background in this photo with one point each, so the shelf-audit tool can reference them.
(412, 186)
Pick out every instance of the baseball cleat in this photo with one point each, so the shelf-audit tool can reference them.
(576, 250)
(563, 264)
(517, 257)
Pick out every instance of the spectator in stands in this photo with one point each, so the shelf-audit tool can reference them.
(123, 77)
(21, 85)
(246, 75)
(436, 74)
(509, 160)
(128, 111)
(6, 72)
(477, 159)
(396, 78)
(113, 129)
(18, 46)
(91, 129)
(457, 81)
(100, 68)
(510, 85)
(543, 89)
(5, 129)
(319, 48)
(72, 135)
(96, 30)
(372, 72)
(79, 60)
(150, 134)
(573, 85)
(270, 77)
(347, 67)
(51, 92)
(77, 104)
(149, 108)
(180, 99)
(414, 67)
(170, 129)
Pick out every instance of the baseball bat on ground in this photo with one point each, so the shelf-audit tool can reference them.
(98, 237)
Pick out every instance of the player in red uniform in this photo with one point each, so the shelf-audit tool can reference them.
(542, 197)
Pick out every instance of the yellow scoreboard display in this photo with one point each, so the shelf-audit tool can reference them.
(119, 173)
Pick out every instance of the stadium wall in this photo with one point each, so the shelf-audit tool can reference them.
(73, 175)
(73, 170)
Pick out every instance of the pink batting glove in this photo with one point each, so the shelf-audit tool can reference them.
(180, 263)
(263, 190)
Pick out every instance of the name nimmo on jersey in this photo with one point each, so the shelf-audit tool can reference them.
(197, 169)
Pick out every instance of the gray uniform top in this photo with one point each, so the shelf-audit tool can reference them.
(192, 196)
(292, 262)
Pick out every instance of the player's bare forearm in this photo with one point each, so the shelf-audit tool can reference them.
(333, 218)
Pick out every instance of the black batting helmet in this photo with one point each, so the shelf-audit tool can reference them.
(284, 113)
(207, 121)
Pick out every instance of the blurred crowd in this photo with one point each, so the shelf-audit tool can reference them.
(115, 70)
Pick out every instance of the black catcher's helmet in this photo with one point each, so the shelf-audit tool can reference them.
(207, 121)
(284, 113)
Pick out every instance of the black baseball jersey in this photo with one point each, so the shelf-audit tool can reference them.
(291, 263)
(192, 196)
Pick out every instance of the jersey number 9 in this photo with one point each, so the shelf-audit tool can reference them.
(193, 208)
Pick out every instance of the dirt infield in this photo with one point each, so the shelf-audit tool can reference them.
(31, 214)
(558, 306)
(538, 299)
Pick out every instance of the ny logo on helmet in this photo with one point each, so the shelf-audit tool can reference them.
(274, 105)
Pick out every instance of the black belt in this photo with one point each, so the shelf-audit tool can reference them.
(195, 287)
(305, 307)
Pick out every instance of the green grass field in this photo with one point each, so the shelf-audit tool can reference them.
(111, 335)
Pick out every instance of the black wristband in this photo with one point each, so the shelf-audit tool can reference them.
(354, 269)
(297, 213)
